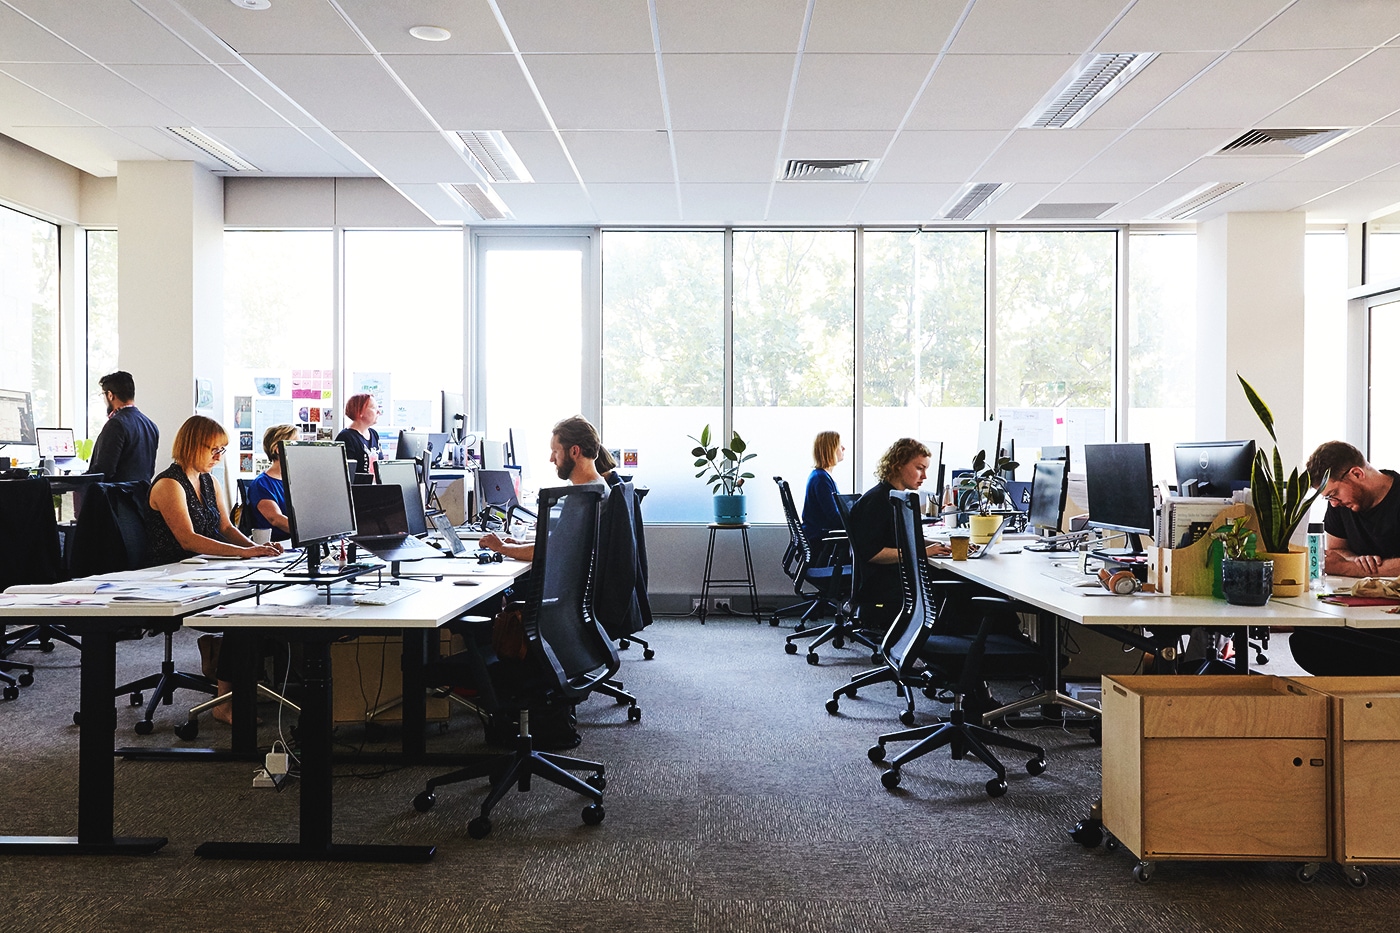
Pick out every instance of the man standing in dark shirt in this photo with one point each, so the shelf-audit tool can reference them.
(126, 449)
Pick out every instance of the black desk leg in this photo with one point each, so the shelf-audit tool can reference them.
(96, 781)
(315, 833)
(415, 693)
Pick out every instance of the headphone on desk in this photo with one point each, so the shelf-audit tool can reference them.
(1120, 582)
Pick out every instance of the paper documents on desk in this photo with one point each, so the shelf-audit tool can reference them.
(113, 591)
(294, 612)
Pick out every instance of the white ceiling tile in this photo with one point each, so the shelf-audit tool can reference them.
(110, 31)
(410, 158)
(1099, 192)
(1148, 88)
(719, 204)
(813, 202)
(1359, 155)
(291, 151)
(636, 204)
(578, 25)
(296, 27)
(835, 144)
(472, 24)
(727, 92)
(1151, 201)
(548, 204)
(1188, 25)
(1365, 200)
(933, 156)
(730, 25)
(96, 93)
(1030, 26)
(21, 104)
(319, 83)
(1010, 203)
(1363, 93)
(632, 156)
(1312, 24)
(986, 92)
(22, 40)
(1265, 196)
(599, 92)
(435, 202)
(882, 26)
(900, 203)
(1274, 78)
(856, 92)
(202, 94)
(1150, 155)
(323, 140)
(94, 149)
(542, 155)
(1233, 168)
(726, 156)
(471, 92)
(165, 146)
(1045, 155)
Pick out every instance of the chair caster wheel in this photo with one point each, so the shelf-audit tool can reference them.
(593, 814)
(1111, 842)
(1088, 832)
(996, 787)
(790, 648)
(1307, 872)
(1356, 877)
(906, 718)
(77, 719)
(634, 714)
(649, 653)
(479, 828)
(1142, 871)
(11, 692)
(597, 781)
(46, 646)
(773, 621)
(875, 657)
(833, 707)
(838, 643)
(876, 753)
(1036, 766)
(812, 657)
(890, 779)
(136, 699)
(1096, 732)
(26, 680)
(1261, 659)
(145, 727)
(623, 644)
(187, 730)
(424, 802)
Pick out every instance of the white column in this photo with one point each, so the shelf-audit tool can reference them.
(170, 230)
(1249, 320)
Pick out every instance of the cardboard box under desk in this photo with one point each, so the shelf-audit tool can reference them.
(1364, 746)
(1215, 767)
(367, 673)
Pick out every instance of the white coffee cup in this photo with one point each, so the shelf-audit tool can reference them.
(262, 535)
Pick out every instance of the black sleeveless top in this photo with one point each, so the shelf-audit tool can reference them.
(204, 515)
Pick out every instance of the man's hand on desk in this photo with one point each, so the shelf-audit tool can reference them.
(938, 549)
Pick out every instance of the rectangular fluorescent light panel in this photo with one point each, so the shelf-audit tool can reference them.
(1194, 201)
(970, 199)
(212, 147)
(494, 155)
(1086, 88)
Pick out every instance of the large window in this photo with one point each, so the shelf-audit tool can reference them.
(278, 338)
(101, 322)
(29, 329)
(1162, 344)
(1324, 338)
(794, 363)
(663, 359)
(403, 323)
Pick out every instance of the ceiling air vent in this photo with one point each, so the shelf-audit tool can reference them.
(969, 200)
(828, 169)
(1068, 211)
(1184, 207)
(1085, 88)
(494, 155)
(1286, 142)
(484, 201)
(211, 147)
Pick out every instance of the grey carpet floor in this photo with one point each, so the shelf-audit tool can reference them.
(736, 804)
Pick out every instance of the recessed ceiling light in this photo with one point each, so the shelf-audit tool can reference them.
(251, 4)
(430, 33)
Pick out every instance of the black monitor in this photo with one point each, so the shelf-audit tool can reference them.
(454, 415)
(413, 444)
(1056, 452)
(1213, 468)
(1119, 477)
(1049, 489)
(319, 507)
(404, 474)
(989, 440)
(16, 417)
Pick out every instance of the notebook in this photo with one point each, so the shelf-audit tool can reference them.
(382, 524)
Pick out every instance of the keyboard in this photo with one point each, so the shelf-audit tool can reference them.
(383, 595)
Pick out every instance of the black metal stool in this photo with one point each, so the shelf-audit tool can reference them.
(731, 582)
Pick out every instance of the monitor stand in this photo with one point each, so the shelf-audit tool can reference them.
(1129, 554)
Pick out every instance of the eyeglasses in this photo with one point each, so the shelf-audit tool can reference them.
(217, 451)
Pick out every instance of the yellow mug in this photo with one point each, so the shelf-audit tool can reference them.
(958, 545)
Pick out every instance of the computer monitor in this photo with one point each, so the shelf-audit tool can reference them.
(16, 417)
(404, 474)
(379, 511)
(454, 413)
(1119, 478)
(989, 440)
(1213, 468)
(56, 442)
(319, 507)
(493, 455)
(413, 444)
(1049, 489)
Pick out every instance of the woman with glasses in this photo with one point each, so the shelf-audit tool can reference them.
(188, 515)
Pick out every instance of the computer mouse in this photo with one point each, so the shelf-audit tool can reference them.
(194, 560)
(465, 583)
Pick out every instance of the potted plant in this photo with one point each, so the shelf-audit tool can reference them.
(988, 485)
(1281, 504)
(722, 470)
(1245, 578)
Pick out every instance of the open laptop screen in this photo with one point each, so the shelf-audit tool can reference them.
(56, 442)
(379, 511)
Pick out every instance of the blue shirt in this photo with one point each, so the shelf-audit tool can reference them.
(819, 514)
(267, 487)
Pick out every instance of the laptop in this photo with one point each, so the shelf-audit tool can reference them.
(382, 525)
(443, 525)
(975, 551)
(497, 487)
(57, 443)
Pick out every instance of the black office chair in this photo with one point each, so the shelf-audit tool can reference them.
(619, 584)
(110, 535)
(245, 514)
(32, 555)
(639, 535)
(568, 655)
(964, 660)
(830, 582)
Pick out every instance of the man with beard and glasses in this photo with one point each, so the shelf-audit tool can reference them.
(126, 449)
(573, 447)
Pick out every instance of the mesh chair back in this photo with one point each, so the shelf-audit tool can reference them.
(639, 534)
(843, 509)
(30, 533)
(110, 533)
(917, 613)
(245, 514)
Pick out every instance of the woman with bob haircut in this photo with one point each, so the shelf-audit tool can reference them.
(819, 515)
(361, 440)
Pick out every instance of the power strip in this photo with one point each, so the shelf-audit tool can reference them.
(262, 779)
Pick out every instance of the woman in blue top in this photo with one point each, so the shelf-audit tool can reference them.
(267, 495)
(819, 514)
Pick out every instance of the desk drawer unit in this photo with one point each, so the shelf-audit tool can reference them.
(1215, 767)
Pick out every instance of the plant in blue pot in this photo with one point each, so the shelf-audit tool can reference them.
(722, 469)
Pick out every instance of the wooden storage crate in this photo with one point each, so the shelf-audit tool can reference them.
(367, 674)
(1364, 716)
(1215, 768)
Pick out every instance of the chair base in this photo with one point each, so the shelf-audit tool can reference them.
(41, 636)
(961, 737)
(838, 633)
(613, 688)
(816, 607)
(626, 642)
(163, 687)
